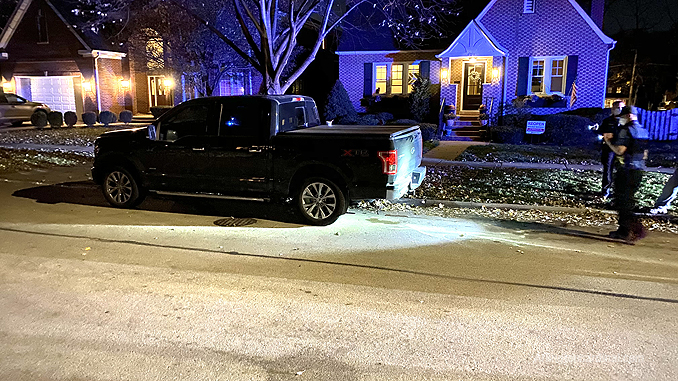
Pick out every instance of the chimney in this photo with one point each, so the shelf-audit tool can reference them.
(598, 12)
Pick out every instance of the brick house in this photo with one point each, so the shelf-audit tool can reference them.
(512, 49)
(45, 59)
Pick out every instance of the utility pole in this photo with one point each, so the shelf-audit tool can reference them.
(633, 76)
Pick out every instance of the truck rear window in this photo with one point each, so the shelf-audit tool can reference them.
(298, 115)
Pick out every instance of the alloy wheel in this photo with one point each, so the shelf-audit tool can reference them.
(319, 200)
(119, 187)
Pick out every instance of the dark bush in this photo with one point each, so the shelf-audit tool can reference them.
(70, 118)
(420, 98)
(39, 119)
(507, 134)
(157, 111)
(89, 118)
(56, 119)
(368, 120)
(107, 117)
(569, 130)
(384, 116)
(338, 105)
(125, 116)
(428, 131)
(407, 122)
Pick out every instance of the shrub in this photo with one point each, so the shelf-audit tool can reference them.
(89, 118)
(70, 118)
(56, 119)
(107, 117)
(125, 116)
(428, 131)
(507, 134)
(409, 122)
(39, 119)
(420, 98)
(384, 116)
(569, 130)
(368, 120)
(338, 105)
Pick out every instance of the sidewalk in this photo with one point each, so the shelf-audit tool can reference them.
(447, 151)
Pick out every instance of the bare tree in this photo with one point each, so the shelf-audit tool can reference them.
(269, 29)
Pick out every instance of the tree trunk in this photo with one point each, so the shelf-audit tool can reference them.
(270, 86)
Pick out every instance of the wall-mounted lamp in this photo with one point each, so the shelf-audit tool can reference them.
(86, 86)
(168, 82)
(444, 74)
(124, 84)
(7, 87)
(495, 74)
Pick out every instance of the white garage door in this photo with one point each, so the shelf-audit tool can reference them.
(56, 92)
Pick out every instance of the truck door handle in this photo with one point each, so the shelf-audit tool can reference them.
(198, 148)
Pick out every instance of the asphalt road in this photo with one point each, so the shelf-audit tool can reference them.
(171, 291)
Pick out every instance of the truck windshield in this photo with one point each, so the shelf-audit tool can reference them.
(298, 115)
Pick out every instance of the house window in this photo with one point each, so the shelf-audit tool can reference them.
(397, 79)
(232, 84)
(412, 73)
(394, 79)
(380, 82)
(42, 27)
(547, 75)
(528, 6)
(155, 50)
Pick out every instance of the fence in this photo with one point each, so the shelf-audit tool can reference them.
(662, 125)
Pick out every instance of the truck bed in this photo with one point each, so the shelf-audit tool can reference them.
(342, 130)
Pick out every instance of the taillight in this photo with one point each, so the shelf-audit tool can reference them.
(390, 162)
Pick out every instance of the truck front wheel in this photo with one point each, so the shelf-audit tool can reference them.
(320, 201)
(121, 189)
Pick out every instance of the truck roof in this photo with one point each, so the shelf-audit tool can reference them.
(276, 98)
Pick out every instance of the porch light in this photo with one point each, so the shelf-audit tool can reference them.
(168, 82)
(124, 83)
(495, 74)
(444, 74)
(7, 87)
(86, 86)
(472, 60)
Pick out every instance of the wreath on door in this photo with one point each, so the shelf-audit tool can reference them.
(474, 76)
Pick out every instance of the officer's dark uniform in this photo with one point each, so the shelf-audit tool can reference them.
(629, 174)
(609, 126)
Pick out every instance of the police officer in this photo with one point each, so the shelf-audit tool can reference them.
(629, 144)
(607, 130)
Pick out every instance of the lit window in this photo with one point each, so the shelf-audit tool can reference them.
(232, 84)
(528, 6)
(397, 79)
(155, 51)
(547, 75)
(557, 71)
(412, 73)
(537, 76)
(380, 82)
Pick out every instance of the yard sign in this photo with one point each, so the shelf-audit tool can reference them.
(535, 127)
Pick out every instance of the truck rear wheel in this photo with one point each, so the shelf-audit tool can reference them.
(121, 189)
(320, 201)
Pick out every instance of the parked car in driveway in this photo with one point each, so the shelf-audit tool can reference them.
(264, 148)
(16, 110)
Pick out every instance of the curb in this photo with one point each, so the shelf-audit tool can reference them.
(478, 205)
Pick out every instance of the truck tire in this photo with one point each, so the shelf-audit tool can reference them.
(320, 201)
(121, 189)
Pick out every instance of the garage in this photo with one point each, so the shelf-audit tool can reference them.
(57, 92)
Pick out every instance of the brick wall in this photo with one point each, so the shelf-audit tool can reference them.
(351, 69)
(111, 94)
(555, 29)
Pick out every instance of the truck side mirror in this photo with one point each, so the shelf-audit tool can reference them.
(151, 132)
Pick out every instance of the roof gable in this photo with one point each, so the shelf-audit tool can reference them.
(473, 41)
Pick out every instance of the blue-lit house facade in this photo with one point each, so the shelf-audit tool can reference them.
(530, 50)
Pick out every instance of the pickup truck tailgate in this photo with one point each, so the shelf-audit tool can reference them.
(409, 147)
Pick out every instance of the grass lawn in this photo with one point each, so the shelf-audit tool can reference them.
(60, 136)
(661, 154)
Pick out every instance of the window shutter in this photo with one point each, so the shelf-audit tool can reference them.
(367, 80)
(572, 64)
(523, 75)
(425, 69)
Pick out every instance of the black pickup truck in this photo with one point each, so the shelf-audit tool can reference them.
(265, 148)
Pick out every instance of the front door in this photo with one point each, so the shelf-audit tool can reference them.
(159, 94)
(472, 93)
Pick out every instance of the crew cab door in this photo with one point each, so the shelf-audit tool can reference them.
(240, 154)
(179, 157)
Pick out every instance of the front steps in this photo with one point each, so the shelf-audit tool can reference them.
(465, 128)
